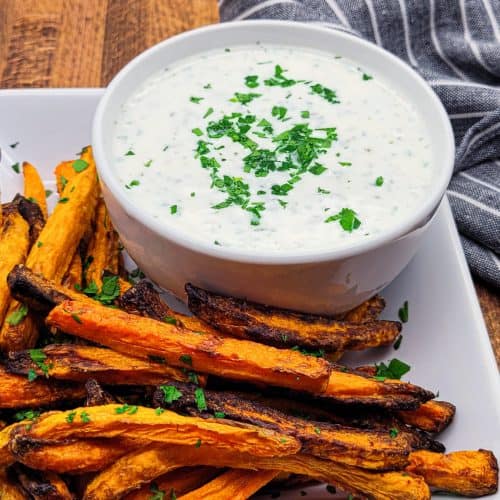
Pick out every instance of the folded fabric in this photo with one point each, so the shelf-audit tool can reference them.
(455, 46)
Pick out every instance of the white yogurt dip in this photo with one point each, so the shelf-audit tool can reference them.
(272, 148)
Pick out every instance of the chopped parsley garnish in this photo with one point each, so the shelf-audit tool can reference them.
(217, 243)
(48, 192)
(31, 375)
(397, 343)
(403, 312)
(110, 290)
(379, 181)
(197, 131)
(39, 244)
(320, 353)
(251, 81)
(148, 163)
(244, 98)
(281, 189)
(16, 317)
(227, 50)
(283, 203)
(317, 430)
(159, 410)
(394, 370)
(219, 414)
(317, 169)
(129, 153)
(207, 86)
(346, 218)
(84, 417)
(15, 167)
(173, 209)
(127, 409)
(187, 359)
(77, 319)
(64, 181)
(193, 194)
(157, 493)
(393, 432)
(367, 77)
(305, 114)
(63, 200)
(323, 191)
(133, 183)
(279, 80)
(80, 166)
(208, 112)
(199, 396)
(326, 93)
(196, 100)
(14, 145)
(279, 112)
(345, 163)
(170, 320)
(198, 443)
(170, 393)
(27, 415)
(70, 417)
(165, 147)
(38, 357)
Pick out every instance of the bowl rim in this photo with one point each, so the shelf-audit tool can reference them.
(418, 218)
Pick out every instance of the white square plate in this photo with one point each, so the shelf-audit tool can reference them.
(445, 340)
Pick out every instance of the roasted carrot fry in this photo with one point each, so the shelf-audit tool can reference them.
(6, 456)
(367, 448)
(103, 251)
(175, 483)
(144, 300)
(9, 489)
(64, 173)
(55, 247)
(142, 466)
(367, 311)
(138, 422)
(34, 189)
(18, 392)
(74, 274)
(77, 363)
(466, 473)
(235, 484)
(432, 416)
(14, 244)
(145, 337)
(69, 456)
(282, 328)
(42, 486)
(32, 214)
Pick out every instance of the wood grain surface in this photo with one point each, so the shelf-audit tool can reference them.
(83, 43)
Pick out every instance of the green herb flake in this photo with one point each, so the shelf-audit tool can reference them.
(159, 410)
(84, 417)
(173, 209)
(217, 243)
(110, 290)
(63, 200)
(367, 77)
(197, 131)
(170, 393)
(346, 218)
(170, 320)
(323, 191)
(129, 153)
(208, 112)
(48, 192)
(244, 98)
(219, 414)
(345, 163)
(324, 92)
(403, 312)
(64, 182)
(305, 114)
(39, 244)
(80, 166)
(283, 203)
(251, 81)
(279, 112)
(38, 357)
(76, 318)
(393, 432)
(16, 317)
(394, 370)
(14, 145)
(31, 375)
(397, 343)
(157, 493)
(199, 396)
(379, 181)
(193, 194)
(198, 443)
(317, 430)
(279, 79)
(148, 163)
(186, 358)
(26, 415)
(196, 100)
(283, 440)
(207, 86)
(70, 417)
(16, 168)
(317, 169)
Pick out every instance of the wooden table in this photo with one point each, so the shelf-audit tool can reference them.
(83, 43)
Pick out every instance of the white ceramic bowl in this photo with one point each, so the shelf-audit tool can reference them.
(324, 281)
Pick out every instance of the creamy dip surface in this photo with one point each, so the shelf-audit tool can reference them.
(272, 148)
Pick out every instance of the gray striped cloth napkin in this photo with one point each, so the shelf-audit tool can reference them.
(455, 46)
